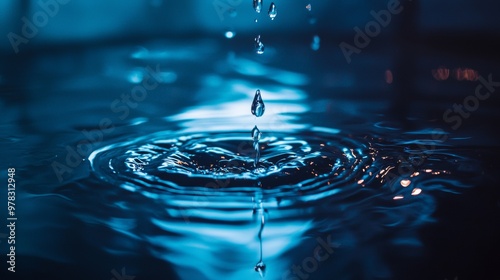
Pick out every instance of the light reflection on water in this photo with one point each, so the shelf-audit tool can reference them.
(186, 194)
(206, 226)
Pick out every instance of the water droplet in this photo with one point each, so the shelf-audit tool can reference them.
(256, 20)
(259, 46)
(315, 44)
(256, 137)
(256, 134)
(260, 267)
(257, 5)
(273, 12)
(258, 108)
(230, 34)
(309, 7)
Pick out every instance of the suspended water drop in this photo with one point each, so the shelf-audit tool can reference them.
(273, 12)
(315, 44)
(259, 46)
(257, 5)
(309, 7)
(258, 108)
(230, 34)
(256, 134)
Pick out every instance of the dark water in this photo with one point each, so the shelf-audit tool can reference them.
(162, 184)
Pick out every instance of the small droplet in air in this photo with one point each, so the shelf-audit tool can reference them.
(258, 108)
(259, 46)
(256, 20)
(315, 44)
(273, 12)
(260, 267)
(230, 34)
(257, 5)
(308, 7)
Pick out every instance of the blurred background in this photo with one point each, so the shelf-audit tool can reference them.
(431, 51)
(107, 21)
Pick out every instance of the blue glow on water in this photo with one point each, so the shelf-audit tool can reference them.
(176, 185)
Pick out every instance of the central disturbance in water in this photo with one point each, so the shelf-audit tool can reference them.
(307, 163)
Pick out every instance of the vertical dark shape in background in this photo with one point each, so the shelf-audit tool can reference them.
(407, 40)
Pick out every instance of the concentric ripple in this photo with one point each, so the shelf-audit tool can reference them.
(311, 164)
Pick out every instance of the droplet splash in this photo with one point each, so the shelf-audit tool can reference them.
(258, 108)
(257, 5)
(259, 46)
(273, 12)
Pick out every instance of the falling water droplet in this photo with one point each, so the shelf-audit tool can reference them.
(273, 12)
(315, 44)
(257, 5)
(258, 108)
(229, 34)
(259, 46)
(309, 7)
(256, 134)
